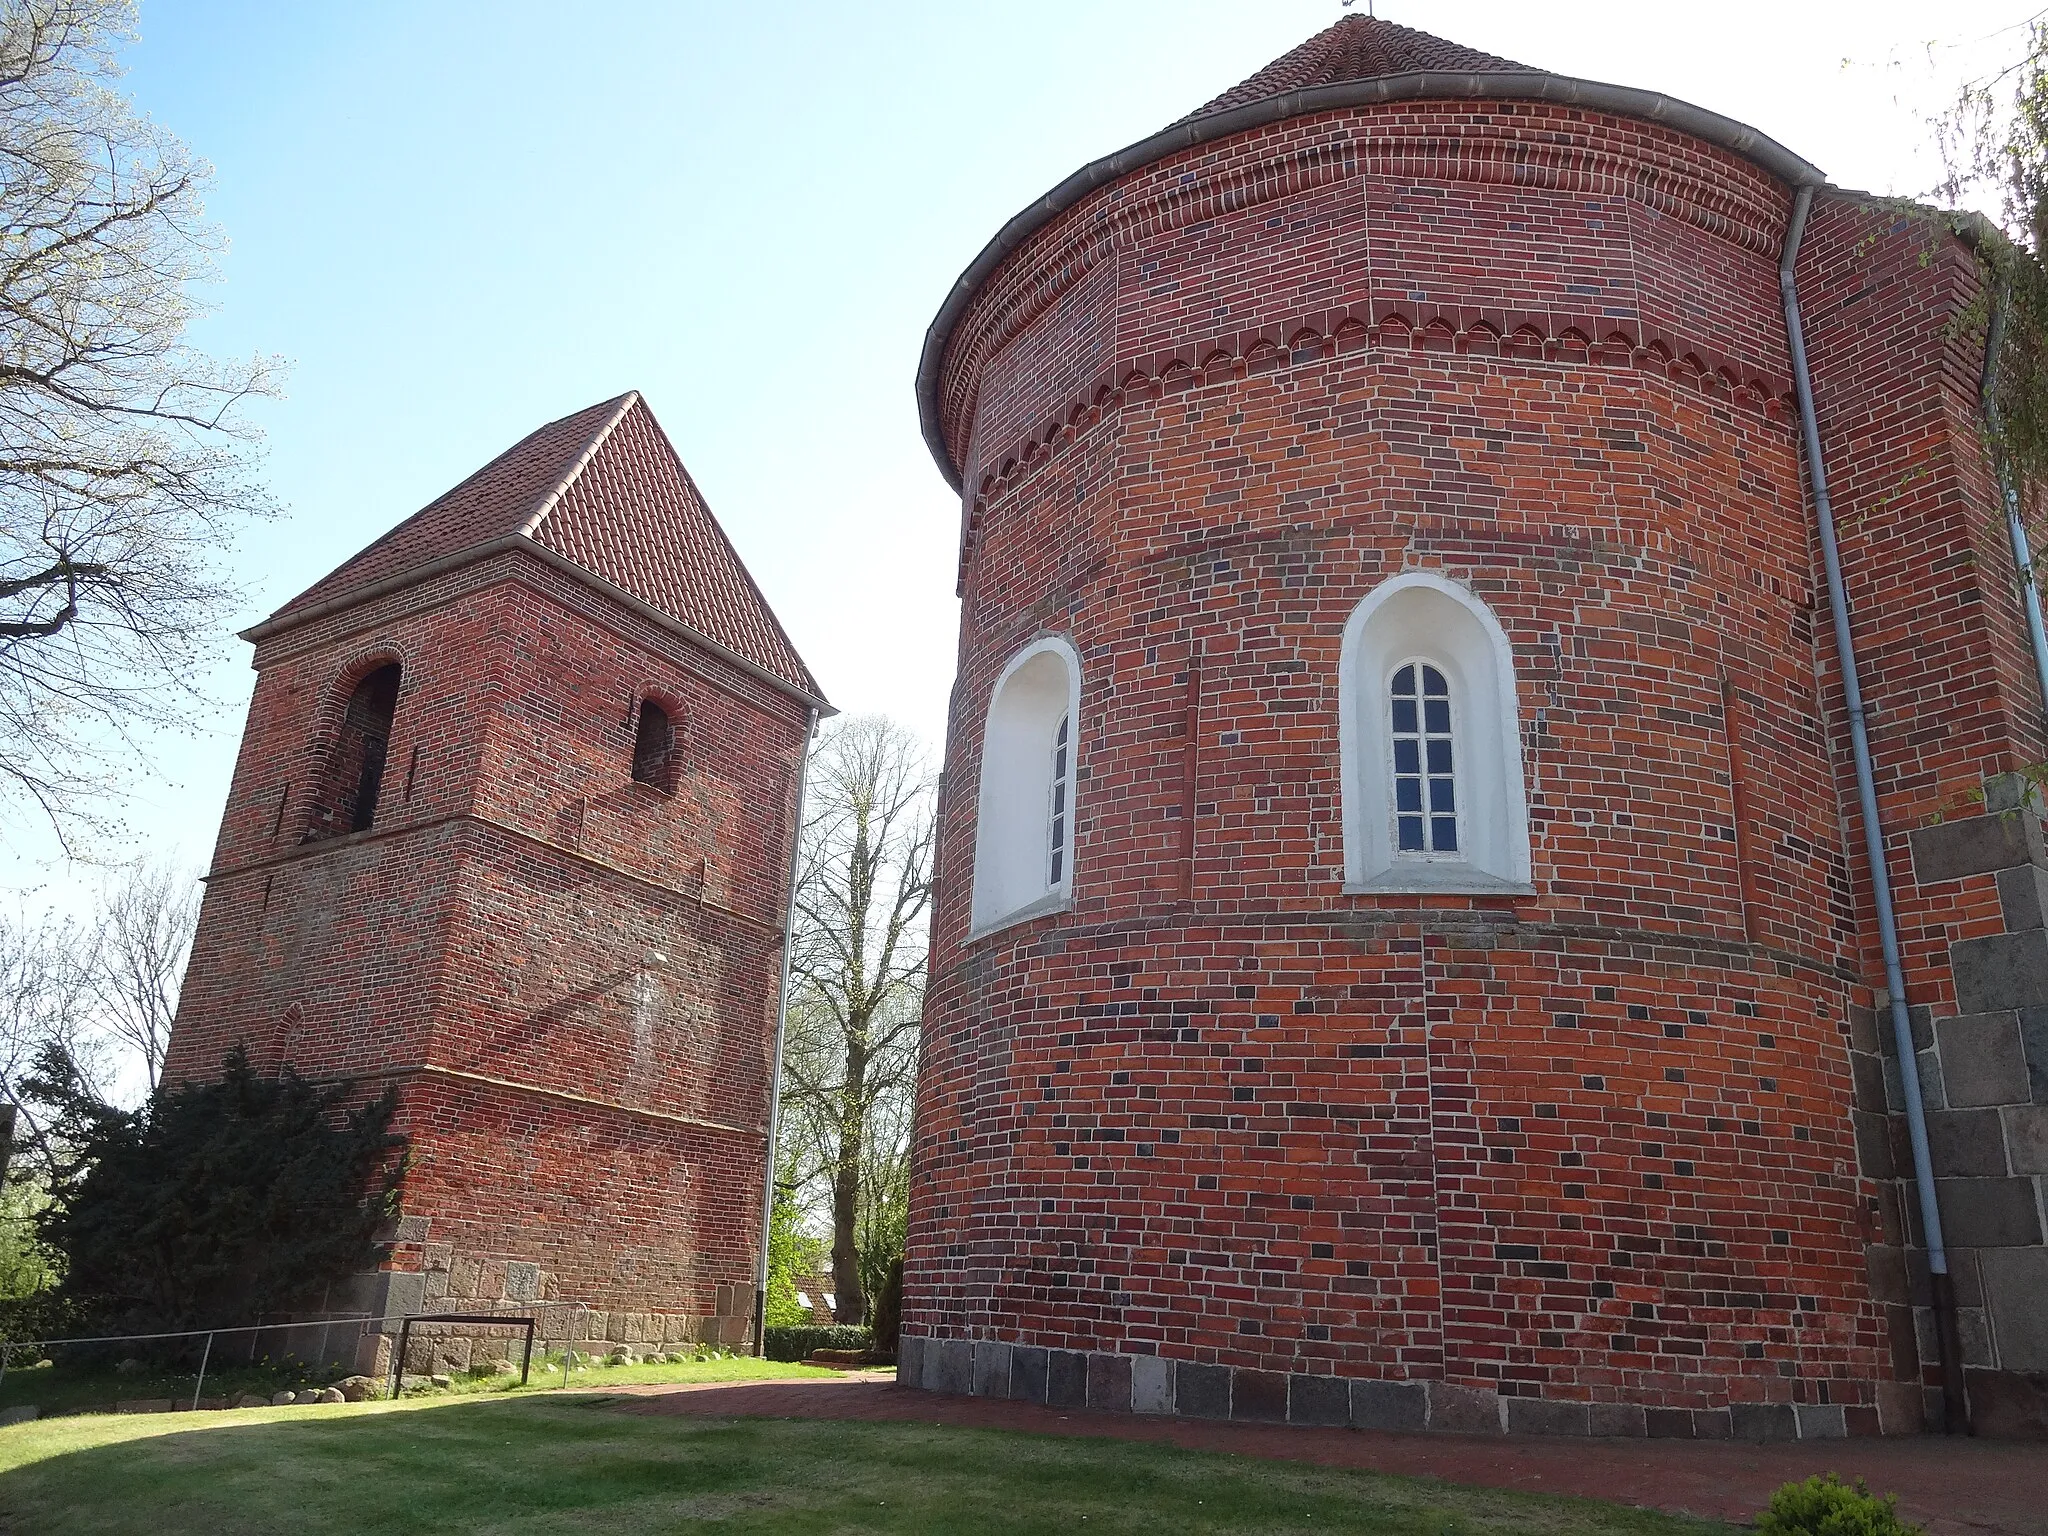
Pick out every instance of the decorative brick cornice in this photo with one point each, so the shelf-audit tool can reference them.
(1308, 340)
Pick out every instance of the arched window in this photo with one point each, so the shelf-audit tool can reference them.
(1024, 825)
(355, 776)
(1431, 743)
(654, 740)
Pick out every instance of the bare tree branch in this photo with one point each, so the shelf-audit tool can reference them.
(857, 994)
(123, 461)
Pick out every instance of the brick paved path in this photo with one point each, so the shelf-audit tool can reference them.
(1953, 1487)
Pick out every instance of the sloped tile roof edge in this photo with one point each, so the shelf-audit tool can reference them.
(551, 498)
(521, 543)
(1421, 85)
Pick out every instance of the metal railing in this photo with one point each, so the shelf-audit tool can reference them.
(208, 1334)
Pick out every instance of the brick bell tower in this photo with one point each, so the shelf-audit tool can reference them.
(510, 831)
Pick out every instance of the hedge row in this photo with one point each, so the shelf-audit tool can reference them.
(800, 1343)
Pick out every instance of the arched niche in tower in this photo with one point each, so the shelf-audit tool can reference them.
(1024, 821)
(1429, 731)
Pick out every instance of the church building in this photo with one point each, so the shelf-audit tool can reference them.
(510, 833)
(1494, 695)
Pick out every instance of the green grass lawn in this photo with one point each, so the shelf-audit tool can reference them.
(530, 1462)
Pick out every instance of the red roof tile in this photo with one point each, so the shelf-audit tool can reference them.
(604, 489)
(1357, 48)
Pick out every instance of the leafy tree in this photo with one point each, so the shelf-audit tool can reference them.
(857, 999)
(218, 1201)
(123, 460)
(792, 1255)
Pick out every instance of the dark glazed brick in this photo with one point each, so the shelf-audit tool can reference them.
(1766, 1423)
(1668, 1423)
(1027, 1374)
(1109, 1382)
(1324, 1400)
(1259, 1396)
(1401, 1406)
(1542, 1416)
(1201, 1391)
(1066, 1379)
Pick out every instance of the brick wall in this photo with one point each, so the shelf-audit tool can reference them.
(1584, 1157)
(569, 977)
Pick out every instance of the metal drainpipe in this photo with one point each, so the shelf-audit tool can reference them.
(796, 843)
(2009, 491)
(1954, 1403)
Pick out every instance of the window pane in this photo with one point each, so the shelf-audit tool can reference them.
(1408, 756)
(1433, 684)
(1436, 714)
(1439, 757)
(1404, 681)
(1444, 829)
(1407, 794)
(1440, 796)
(1411, 834)
(1404, 717)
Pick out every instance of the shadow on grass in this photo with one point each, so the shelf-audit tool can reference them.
(568, 1464)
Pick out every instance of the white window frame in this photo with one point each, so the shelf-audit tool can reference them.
(1424, 855)
(1425, 616)
(1013, 806)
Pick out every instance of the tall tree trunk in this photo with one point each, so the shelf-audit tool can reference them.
(852, 1299)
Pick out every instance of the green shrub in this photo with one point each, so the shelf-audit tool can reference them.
(1822, 1506)
(800, 1343)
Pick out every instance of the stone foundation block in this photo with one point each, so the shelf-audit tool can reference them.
(1029, 1368)
(1151, 1384)
(950, 1367)
(1464, 1410)
(2016, 1295)
(1109, 1382)
(1066, 1378)
(522, 1281)
(1975, 845)
(910, 1359)
(1324, 1400)
(1398, 1406)
(1544, 1416)
(1259, 1397)
(1765, 1423)
(991, 1369)
(1982, 1062)
(2008, 1405)
(1668, 1423)
(2001, 970)
(1820, 1421)
(1201, 1391)
(1617, 1421)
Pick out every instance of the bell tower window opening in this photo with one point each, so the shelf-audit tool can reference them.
(1425, 786)
(653, 746)
(356, 775)
(1057, 864)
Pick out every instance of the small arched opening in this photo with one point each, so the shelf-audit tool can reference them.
(355, 776)
(1025, 814)
(654, 742)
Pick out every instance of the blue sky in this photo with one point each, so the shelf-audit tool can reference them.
(457, 221)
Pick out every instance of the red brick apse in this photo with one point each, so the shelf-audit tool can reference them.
(1404, 952)
(510, 831)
